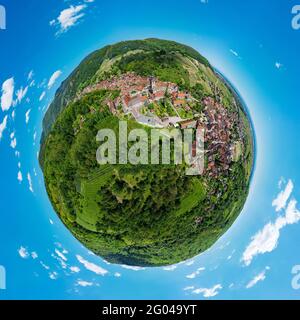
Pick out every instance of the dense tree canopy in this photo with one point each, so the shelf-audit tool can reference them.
(137, 214)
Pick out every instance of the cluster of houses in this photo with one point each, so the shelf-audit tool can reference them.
(137, 92)
(218, 125)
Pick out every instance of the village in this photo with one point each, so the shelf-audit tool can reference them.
(161, 104)
(137, 92)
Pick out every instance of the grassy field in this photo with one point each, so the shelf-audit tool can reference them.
(89, 215)
(196, 195)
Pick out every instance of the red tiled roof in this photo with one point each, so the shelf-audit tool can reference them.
(159, 94)
(127, 99)
(179, 101)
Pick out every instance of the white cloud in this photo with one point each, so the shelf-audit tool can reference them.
(281, 182)
(42, 96)
(83, 283)
(34, 138)
(29, 182)
(260, 277)
(170, 268)
(68, 17)
(21, 93)
(75, 269)
(188, 288)
(91, 266)
(30, 75)
(61, 255)
(234, 53)
(13, 143)
(58, 244)
(280, 202)
(189, 263)
(42, 84)
(53, 275)
(191, 275)
(44, 265)
(266, 240)
(132, 267)
(20, 176)
(7, 94)
(34, 255)
(230, 256)
(194, 274)
(53, 78)
(3, 126)
(208, 292)
(27, 116)
(23, 252)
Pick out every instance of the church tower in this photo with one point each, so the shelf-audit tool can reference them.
(151, 84)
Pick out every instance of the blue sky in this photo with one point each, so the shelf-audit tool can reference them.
(253, 44)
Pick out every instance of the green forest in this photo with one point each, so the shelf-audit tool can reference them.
(140, 215)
